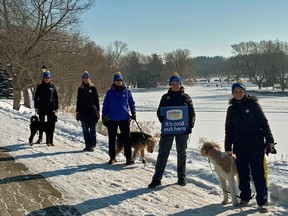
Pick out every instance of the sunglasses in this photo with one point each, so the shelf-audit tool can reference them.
(175, 83)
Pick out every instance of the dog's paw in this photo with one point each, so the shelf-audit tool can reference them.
(224, 202)
(144, 161)
(235, 204)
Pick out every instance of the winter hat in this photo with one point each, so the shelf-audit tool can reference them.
(175, 77)
(46, 74)
(118, 76)
(44, 69)
(240, 85)
(86, 74)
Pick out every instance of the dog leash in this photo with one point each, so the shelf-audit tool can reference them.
(140, 129)
(218, 181)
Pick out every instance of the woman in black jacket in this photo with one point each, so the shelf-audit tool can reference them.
(175, 97)
(87, 110)
(46, 102)
(247, 130)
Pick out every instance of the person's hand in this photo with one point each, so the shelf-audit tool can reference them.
(161, 118)
(36, 110)
(77, 116)
(98, 115)
(55, 111)
(133, 116)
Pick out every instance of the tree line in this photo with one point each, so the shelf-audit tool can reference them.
(34, 33)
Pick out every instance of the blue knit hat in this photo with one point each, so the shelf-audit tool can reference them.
(44, 68)
(240, 85)
(46, 74)
(117, 76)
(86, 74)
(175, 77)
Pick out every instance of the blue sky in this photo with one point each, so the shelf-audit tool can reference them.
(204, 27)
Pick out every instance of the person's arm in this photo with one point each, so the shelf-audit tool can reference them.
(228, 132)
(263, 122)
(56, 102)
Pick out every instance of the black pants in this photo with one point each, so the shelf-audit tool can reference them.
(42, 119)
(124, 126)
(255, 163)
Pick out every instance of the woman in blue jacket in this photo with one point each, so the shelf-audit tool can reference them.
(115, 113)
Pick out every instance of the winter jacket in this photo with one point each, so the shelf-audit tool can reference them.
(246, 126)
(46, 98)
(87, 103)
(179, 98)
(117, 102)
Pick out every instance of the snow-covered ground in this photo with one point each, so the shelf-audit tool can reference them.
(88, 183)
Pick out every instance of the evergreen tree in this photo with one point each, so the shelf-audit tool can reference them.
(6, 89)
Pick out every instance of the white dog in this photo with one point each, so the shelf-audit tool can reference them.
(225, 167)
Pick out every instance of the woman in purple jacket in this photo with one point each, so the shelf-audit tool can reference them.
(115, 112)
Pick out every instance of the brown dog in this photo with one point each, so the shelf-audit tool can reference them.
(225, 167)
(140, 142)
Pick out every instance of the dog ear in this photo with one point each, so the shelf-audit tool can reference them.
(34, 118)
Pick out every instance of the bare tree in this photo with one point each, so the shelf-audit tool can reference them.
(114, 53)
(29, 29)
(178, 61)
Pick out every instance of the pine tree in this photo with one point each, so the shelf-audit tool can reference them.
(6, 88)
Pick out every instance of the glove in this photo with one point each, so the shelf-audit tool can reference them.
(106, 123)
(189, 131)
(133, 116)
(161, 118)
(270, 148)
(77, 116)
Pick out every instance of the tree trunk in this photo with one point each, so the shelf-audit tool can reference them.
(26, 98)
(17, 99)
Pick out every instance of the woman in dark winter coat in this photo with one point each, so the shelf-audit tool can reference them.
(175, 97)
(115, 113)
(87, 110)
(46, 102)
(247, 130)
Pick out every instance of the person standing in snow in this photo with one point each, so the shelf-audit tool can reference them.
(175, 96)
(88, 110)
(245, 129)
(115, 113)
(46, 100)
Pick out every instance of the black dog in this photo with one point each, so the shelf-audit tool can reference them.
(48, 127)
